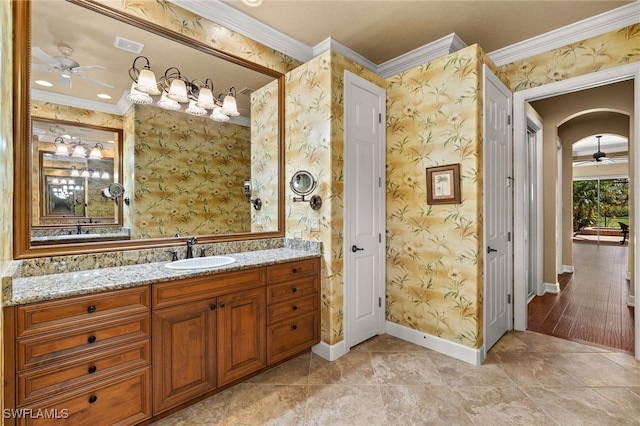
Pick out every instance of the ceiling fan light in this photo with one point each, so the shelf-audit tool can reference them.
(65, 73)
(205, 98)
(229, 106)
(168, 104)
(147, 82)
(194, 109)
(218, 115)
(178, 91)
(138, 97)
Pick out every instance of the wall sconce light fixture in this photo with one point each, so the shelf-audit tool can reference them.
(256, 202)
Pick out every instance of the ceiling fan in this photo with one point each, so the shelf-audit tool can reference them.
(65, 66)
(598, 157)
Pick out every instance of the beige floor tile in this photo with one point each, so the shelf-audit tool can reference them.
(594, 370)
(345, 405)
(352, 368)
(488, 405)
(626, 399)
(578, 406)
(209, 411)
(423, 405)
(537, 342)
(260, 404)
(459, 373)
(388, 343)
(536, 369)
(293, 372)
(405, 368)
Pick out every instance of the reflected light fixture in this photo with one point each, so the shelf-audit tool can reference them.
(61, 147)
(105, 175)
(74, 171)
(95, 174)
(79, 150)
(138, 97)
(194, 109)
(217, 115)
(96, 151)
(169, 104)
(84, 173)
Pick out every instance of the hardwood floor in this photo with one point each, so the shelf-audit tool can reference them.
(592, 304)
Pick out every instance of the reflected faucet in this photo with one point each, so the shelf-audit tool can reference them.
(190, 242)
(79, 229)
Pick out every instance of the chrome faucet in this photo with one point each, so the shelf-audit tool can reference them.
(190, 242)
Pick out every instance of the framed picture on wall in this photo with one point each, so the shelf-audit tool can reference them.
(443, 184)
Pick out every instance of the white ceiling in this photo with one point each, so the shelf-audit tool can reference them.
(383, 30)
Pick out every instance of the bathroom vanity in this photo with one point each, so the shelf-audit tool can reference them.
(127, 355)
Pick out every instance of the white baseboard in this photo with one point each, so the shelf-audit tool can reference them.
(631, 301)
(551, 288)
(567, 269)
(446, 347)
(330, 352)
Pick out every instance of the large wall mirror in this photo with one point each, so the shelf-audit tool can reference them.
(184, 168)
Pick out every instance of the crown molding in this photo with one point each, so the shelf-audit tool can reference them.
(582, 30)
(56, 98)
(235, 20)
(336, 46)
(421, 55)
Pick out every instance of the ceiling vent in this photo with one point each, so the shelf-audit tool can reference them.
(128, 45)
(246, 91)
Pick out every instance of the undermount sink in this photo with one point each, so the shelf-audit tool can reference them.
(200, 262)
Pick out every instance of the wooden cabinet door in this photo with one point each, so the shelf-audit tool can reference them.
(241, 334)
(184, 353)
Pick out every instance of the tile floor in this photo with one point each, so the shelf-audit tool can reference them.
(527, 379)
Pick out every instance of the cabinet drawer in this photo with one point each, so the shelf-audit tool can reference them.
(292, 270)
(290, 337)
(45, 382)
(199, 288)
(36, 350)
(291, 308)
(292, 290)
(121, 400)
(51, 316)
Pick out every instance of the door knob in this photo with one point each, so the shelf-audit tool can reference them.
(490, 250)
(355, 248)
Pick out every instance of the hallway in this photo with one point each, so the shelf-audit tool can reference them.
(592, 304)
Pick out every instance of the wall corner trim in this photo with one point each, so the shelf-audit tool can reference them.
(567, 269)
(438, 344)
(330, 352)
(551, 288)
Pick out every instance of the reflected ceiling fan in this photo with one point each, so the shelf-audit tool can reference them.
(65, 66)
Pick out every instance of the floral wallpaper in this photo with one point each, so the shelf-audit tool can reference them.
(174, 18)
(314, 142)
(264, 157)
(434, 265)
(189, 174)
(608, 50)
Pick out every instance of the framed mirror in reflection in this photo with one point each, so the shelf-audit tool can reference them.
(183, 172)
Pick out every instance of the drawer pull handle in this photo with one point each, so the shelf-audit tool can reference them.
(92, 369)
(91, 339)
(294, 327)
(92, 399)
(294, 270)
(294, 289)
(294, 307)
(213, 306)
(222, 304)
(91, 309)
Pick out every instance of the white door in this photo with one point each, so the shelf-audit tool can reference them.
(497, 209)
(364, 209)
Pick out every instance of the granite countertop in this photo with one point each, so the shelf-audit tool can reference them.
(55, 286)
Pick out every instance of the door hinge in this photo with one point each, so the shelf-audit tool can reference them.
(508, 120)
(508, 236)
(379, 302)
(508, 299)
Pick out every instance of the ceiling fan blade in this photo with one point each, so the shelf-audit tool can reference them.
(64, 82)
(44, 56)
(41, 67)
(87, 68)
(101, 83)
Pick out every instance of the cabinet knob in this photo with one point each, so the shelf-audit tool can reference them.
(294, 307)
(92, 369)
(91, 309)
(294, 270)
(213, 306)
(92, 399)
(294, 289)
(294, 327)
(91, 339)
(222, 304)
